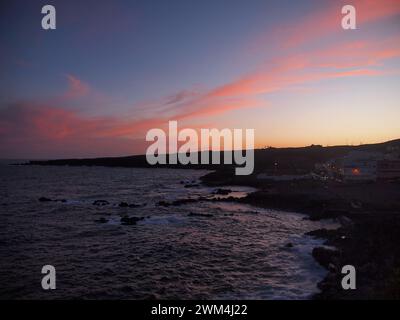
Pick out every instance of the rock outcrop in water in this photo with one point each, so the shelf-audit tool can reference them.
(129, 205)
(102, 220)
(222, 192)
(44, 199)
(101, 203)
(204, 215)
(130, 221)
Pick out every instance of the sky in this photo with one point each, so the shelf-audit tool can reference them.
(112, 70)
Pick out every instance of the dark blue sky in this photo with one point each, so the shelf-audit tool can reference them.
(114, 69)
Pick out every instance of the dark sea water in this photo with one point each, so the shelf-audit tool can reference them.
(238, 253)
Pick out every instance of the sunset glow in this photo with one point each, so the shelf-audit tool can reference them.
(98, 83)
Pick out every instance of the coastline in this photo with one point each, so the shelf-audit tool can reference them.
(368, 237)
(369, 212)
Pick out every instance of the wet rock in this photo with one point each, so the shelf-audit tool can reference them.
(129, 205)
(192, 185)
(183, 201)
(176, 202)
(205, 215)
(320, 233)
(163, 204)
(252, 212)
(222, 192)
(102, 220)
(44, 199)
(330, 284)
(123, 205)
(289, 245)
(324, 256)
(130, 221)
(102, 213)
(332, 236)
(100, 203)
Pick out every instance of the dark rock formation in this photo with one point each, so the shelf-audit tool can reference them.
(130, 221)
(44, 199)
(183, 201)
(205, 215)
(194, 185)
(222, 192)
(163, 204)
(123, 205)
(100, 203)
(325, 256)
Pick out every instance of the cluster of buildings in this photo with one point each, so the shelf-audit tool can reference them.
(363, 166)
(356, 166)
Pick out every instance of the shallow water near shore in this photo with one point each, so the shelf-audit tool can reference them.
(197, 250)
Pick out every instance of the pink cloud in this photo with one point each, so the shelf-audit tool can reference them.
(328, 21)
(49, 125)
(77, 88)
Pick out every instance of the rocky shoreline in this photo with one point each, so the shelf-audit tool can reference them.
(369, 215)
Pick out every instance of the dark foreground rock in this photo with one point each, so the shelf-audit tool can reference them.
(370, 244)
(325, 256)
(368, 238)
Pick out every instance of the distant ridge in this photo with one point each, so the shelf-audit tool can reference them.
(300, 158)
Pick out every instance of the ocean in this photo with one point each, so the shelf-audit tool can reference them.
(196, 250)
